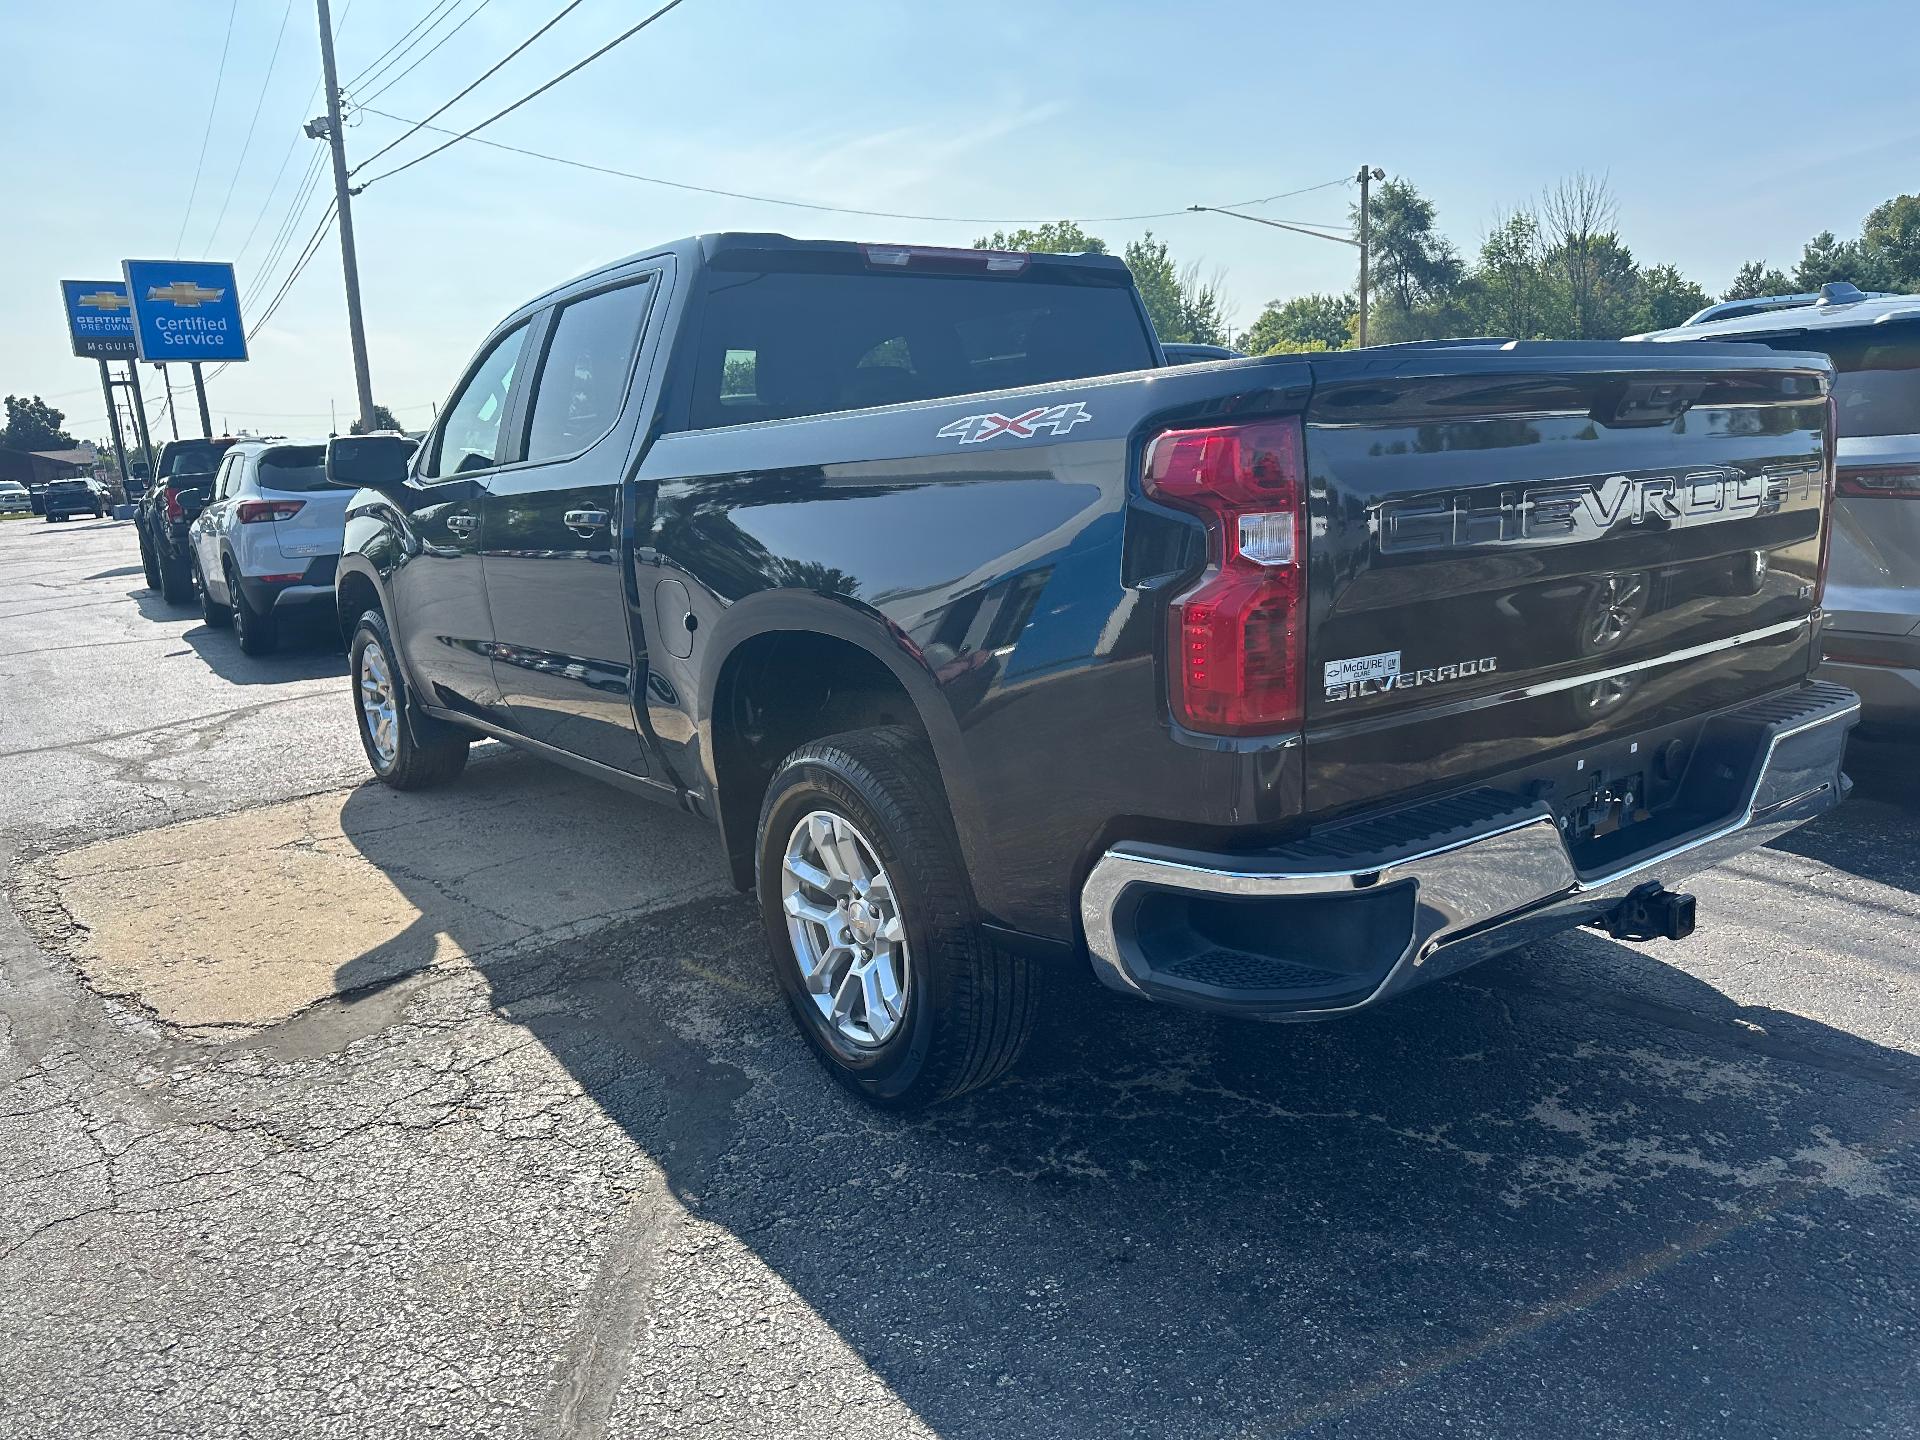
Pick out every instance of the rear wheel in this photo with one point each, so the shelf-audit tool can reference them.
(148, 564)
(176, 580)
(217, 616)
(402, 758)
(259, 630)
(871, 925)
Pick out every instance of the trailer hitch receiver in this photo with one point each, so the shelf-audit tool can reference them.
(1651, 912)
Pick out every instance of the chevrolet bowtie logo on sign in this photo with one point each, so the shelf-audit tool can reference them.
(99, 319)
(185, 292)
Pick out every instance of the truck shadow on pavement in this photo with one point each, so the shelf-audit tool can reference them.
(1573, 1189)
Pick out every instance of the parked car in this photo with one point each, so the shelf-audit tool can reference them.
(1871, 636)
(268, 539)
(14, 498)
(1272, 688)
(63, 499)
(1192, 352)
(168, 508)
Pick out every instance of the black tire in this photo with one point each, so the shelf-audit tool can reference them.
(148, 563)
(216, 615)
(426, 753)
(176, 580)
(969, 1003)
(259, 630)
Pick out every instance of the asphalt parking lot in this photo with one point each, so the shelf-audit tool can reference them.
(328, 1111)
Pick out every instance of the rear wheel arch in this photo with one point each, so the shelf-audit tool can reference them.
(781, 685)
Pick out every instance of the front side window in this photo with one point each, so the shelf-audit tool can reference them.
(583, 381)
(470, 438)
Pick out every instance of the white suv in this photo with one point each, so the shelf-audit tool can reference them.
(14, 498)
(269, 538)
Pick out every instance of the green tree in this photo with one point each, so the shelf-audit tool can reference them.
(1890, 245)
(1512, 294)
(1666, 298)
(1306, 322)
(1182, 304)
(1056, 237)
(1756, 278)
(1827, 258)
(1593, 272)
(382, 420)
(32, 424)
(1416, 270)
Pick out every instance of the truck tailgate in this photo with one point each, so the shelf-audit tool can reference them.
(1533, 550)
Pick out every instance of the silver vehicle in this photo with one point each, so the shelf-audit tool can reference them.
(1872, 632)
(14, 499)
(269, 538)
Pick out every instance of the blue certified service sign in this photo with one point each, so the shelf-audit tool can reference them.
(185, 310)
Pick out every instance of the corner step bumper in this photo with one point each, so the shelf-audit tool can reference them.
(1369, 907)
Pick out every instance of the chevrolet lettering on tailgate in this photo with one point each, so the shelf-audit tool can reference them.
(1579, 510)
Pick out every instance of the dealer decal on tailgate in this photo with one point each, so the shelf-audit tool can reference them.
(1362, 675)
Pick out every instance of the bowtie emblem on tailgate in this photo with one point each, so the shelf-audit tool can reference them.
(1054, 419)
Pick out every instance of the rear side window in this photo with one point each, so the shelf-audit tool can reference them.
(583, 381)
(775, 345)
(1876, 384)
(293, 467)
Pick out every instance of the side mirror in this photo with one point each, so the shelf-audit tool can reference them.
(369, 462)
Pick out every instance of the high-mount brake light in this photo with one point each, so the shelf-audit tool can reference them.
(252, 512)
(1236, 640)
(1880, 482)
(945, 259)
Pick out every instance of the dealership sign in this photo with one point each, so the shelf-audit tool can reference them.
(99, 319)
(185, 310)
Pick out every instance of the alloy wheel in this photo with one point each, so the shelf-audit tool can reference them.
(848, 935)
(379, 711)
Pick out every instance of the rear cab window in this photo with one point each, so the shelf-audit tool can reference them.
(832, 333)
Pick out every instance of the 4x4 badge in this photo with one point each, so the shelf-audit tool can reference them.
(1055, 420)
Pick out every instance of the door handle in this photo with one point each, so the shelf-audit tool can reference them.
(462, 524)
(585, 522)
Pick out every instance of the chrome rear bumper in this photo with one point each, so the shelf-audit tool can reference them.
(1491, 871)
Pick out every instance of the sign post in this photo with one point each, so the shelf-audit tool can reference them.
(186, 310)
(113, 419)
(100, 324)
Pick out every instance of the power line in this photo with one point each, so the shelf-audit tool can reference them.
(432, 10)
(421, 125)
(573, 69)
(367, 77)
(207, 134)
(812, 204)
(252, 125)
(435, 46)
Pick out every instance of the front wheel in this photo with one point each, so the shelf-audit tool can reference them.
(399, 757)
(871, 925)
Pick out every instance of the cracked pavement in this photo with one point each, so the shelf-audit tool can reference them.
(523, 1145)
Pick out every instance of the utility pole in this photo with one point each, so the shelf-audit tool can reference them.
(1364, 177)
(173, 420)
(343, 196)
(113, 419)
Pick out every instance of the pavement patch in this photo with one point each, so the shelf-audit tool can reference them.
(246, 919)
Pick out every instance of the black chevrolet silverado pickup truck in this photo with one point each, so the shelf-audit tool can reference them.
(993, 643)
(168, 509)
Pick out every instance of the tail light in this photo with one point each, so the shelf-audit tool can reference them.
(1880, 482)
(1236, 639)
(174, 512)
(252, 512)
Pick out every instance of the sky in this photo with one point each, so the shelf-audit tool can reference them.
(1729, 132)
